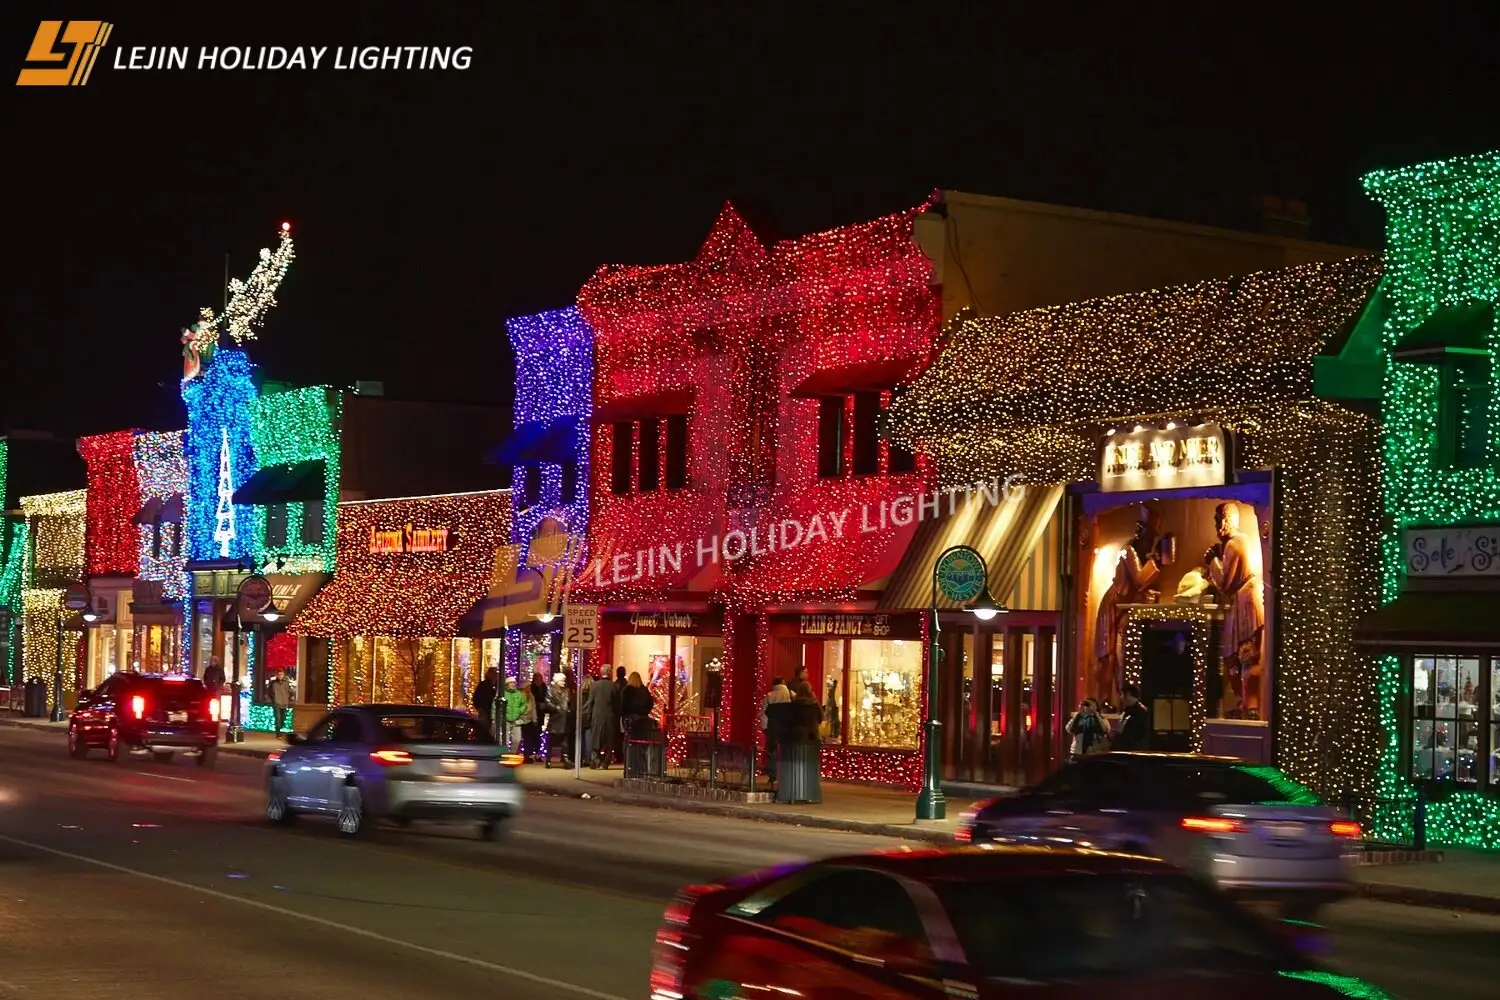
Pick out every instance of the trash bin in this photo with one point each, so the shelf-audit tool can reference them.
(645, 754)
(35, 703)
(797, 772)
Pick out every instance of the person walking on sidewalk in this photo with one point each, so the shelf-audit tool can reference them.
(774, 724)
(560, 720)
(604, 724)
(484, 702)
(213, 677)
(280, 690)
(517, 706)
(541, 705)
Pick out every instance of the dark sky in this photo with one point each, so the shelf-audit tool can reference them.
(430, 206)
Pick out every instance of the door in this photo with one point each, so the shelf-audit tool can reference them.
(313, 769)
(1167, 685)
(298, 765)
(346, 740)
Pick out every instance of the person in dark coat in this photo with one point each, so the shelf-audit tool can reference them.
(604, 723)
(805, 717)
(484, 699)
(617, 740)
(1135, 724)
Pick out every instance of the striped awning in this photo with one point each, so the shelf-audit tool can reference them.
(1005, 533)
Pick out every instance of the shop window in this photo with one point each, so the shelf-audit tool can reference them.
(831, 437)
(276, 526)
(885, 678)
(1448, 693)
(312, 523)
(622, 444)
(833, 694)
(673, 669)
(1493, 696)
(677, 449)
(649, 475)
(569, 491)
(866, 433)
(898, 458)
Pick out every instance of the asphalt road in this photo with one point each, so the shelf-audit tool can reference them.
(145, 880)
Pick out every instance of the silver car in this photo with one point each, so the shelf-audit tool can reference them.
(1252, 831)
(398, 762)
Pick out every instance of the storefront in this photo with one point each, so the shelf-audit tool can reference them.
(1219, 521)
(397, 614)
(671, 650)
(56, 523)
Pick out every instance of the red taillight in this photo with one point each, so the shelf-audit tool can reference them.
(1346, 828)
(1212, 824)
(512, 759)
(273, 756)
(213, 709)
(669, 960)
(964, 834)
(390, 758)
(138, 707)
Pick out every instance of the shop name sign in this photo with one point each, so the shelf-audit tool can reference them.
(1157, 458)
(1434, 552)
(846, 624)
(663, 620)
(408, 539)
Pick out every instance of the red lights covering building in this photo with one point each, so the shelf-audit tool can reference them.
(111, 552)
(741, 495)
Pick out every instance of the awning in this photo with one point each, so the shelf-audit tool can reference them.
(551, 441)
(1004, 533)
(291, 592)
(868, 376)
(299, 483)
(413, 604)
(150, 511)
(1450, 331)
(657, 404)
(1433, 617)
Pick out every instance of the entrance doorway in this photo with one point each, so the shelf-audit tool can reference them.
(1167, 684)
(1001, 713)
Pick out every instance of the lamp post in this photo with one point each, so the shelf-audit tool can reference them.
(75, 598)
(254, 591)
(961, 574)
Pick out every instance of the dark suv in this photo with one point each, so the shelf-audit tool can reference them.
(136, 714)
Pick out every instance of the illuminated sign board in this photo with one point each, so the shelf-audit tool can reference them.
(1153, 458)
(1450, 552)
(407, 539)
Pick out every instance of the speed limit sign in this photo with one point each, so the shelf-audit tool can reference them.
(581, 626)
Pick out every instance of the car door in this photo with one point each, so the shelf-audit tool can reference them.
(829, 934)
(346, 741)
(299, 766)
(1114, 808)
(1040, 812)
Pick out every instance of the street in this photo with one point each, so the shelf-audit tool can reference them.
(161, 880)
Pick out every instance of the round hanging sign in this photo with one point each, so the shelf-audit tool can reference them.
(960, 576)
(255, 594)
(76, 597)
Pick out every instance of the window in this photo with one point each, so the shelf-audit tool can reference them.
(157, 531)
(677, 451)
(898, 459)
(885, 677)
(341, 727)
(276, 526)
(431, 729)
(649, 475)
(1200, 786)
(1449, 741)
(1107, 784)
(569, 491)
(864, 912)
(1463, 414)
(531, 485)
(866, 433)
(622, 444)
(831, 437)
(312, 523)
(1065, 784)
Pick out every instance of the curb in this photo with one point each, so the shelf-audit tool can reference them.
(1387, 892)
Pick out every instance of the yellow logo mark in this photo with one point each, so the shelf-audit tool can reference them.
(73, 44)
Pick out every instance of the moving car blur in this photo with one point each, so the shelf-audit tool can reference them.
(985, 922)
(1252, 831)
(364, 763)
(133, 714)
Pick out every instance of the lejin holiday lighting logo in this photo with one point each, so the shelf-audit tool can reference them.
(62, 53)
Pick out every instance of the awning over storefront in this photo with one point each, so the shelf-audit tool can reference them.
(1435, 618)
(870, 376)
(412, 604)
(292, 593)
(1004, 533)
(549, 441)
(299, 483)
(1450, 331)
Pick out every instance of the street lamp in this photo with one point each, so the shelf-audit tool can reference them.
(962, 575)
(257, 590)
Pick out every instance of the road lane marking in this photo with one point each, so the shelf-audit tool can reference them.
(164, 777)
(452, 956)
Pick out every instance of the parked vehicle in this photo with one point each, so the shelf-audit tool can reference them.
(986, 922)
(133, 715)
(364, 763)
(1252, 831)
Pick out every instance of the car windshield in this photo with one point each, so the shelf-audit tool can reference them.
(433, 728)
(1235, 784)
(1088, 926)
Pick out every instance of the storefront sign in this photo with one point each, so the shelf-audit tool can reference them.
(846, 625)
(408, 539)
(664, 620)
(960, 575)
(1153, 458)
(1453, 551)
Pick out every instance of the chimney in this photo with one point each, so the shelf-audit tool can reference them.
(1283, 216)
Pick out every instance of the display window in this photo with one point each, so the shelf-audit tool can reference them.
(885, 678)
(1455, 719)
(672, 668)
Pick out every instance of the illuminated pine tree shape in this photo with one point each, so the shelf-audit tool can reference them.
(224, 529)
(249, 301)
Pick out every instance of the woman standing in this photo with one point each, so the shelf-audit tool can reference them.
(1088, 728)
(560, 720)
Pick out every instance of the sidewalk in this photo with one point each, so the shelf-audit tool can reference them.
(1447, 879)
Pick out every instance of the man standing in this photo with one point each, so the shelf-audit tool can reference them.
(1135, 725)
(484, 702)
(281, 698)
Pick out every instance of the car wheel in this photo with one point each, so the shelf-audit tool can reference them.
(277, 810)
(117, 752)
(491, 829)
(76, 746)
(352, 820)
(162, 756)
(208, 757)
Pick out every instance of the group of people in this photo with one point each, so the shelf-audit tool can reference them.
(278, 691)
(790, 714)
(614, 707)
(1091, 731)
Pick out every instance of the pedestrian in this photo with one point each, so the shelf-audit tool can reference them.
(531, 731)
(636, 706)
(617, 739)
(1089, 730)
(484, 701)
(280, 690)
(1135, 723)
(604, 722)
(779, 694)
(213, 677)
(559, 720)
(586, 711)
(806, 717)
(517, 701)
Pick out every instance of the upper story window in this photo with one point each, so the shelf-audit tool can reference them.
(569, 490)
(313, 528)
(831, 436)
(849, 437)
(1463, 413)
(531, 485)
(275, 525)
(641, 461)
(622, 448)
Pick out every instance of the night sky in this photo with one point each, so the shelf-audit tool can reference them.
(429, 206)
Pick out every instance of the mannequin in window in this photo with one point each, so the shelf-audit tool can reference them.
(1138, 569)
(1236, 576)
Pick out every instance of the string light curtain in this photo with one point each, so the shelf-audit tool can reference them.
(58, 523)
(162, 475)
(288, 428)
(1031, 394)
(1442, 250)
(114, 499)
(220, 457)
